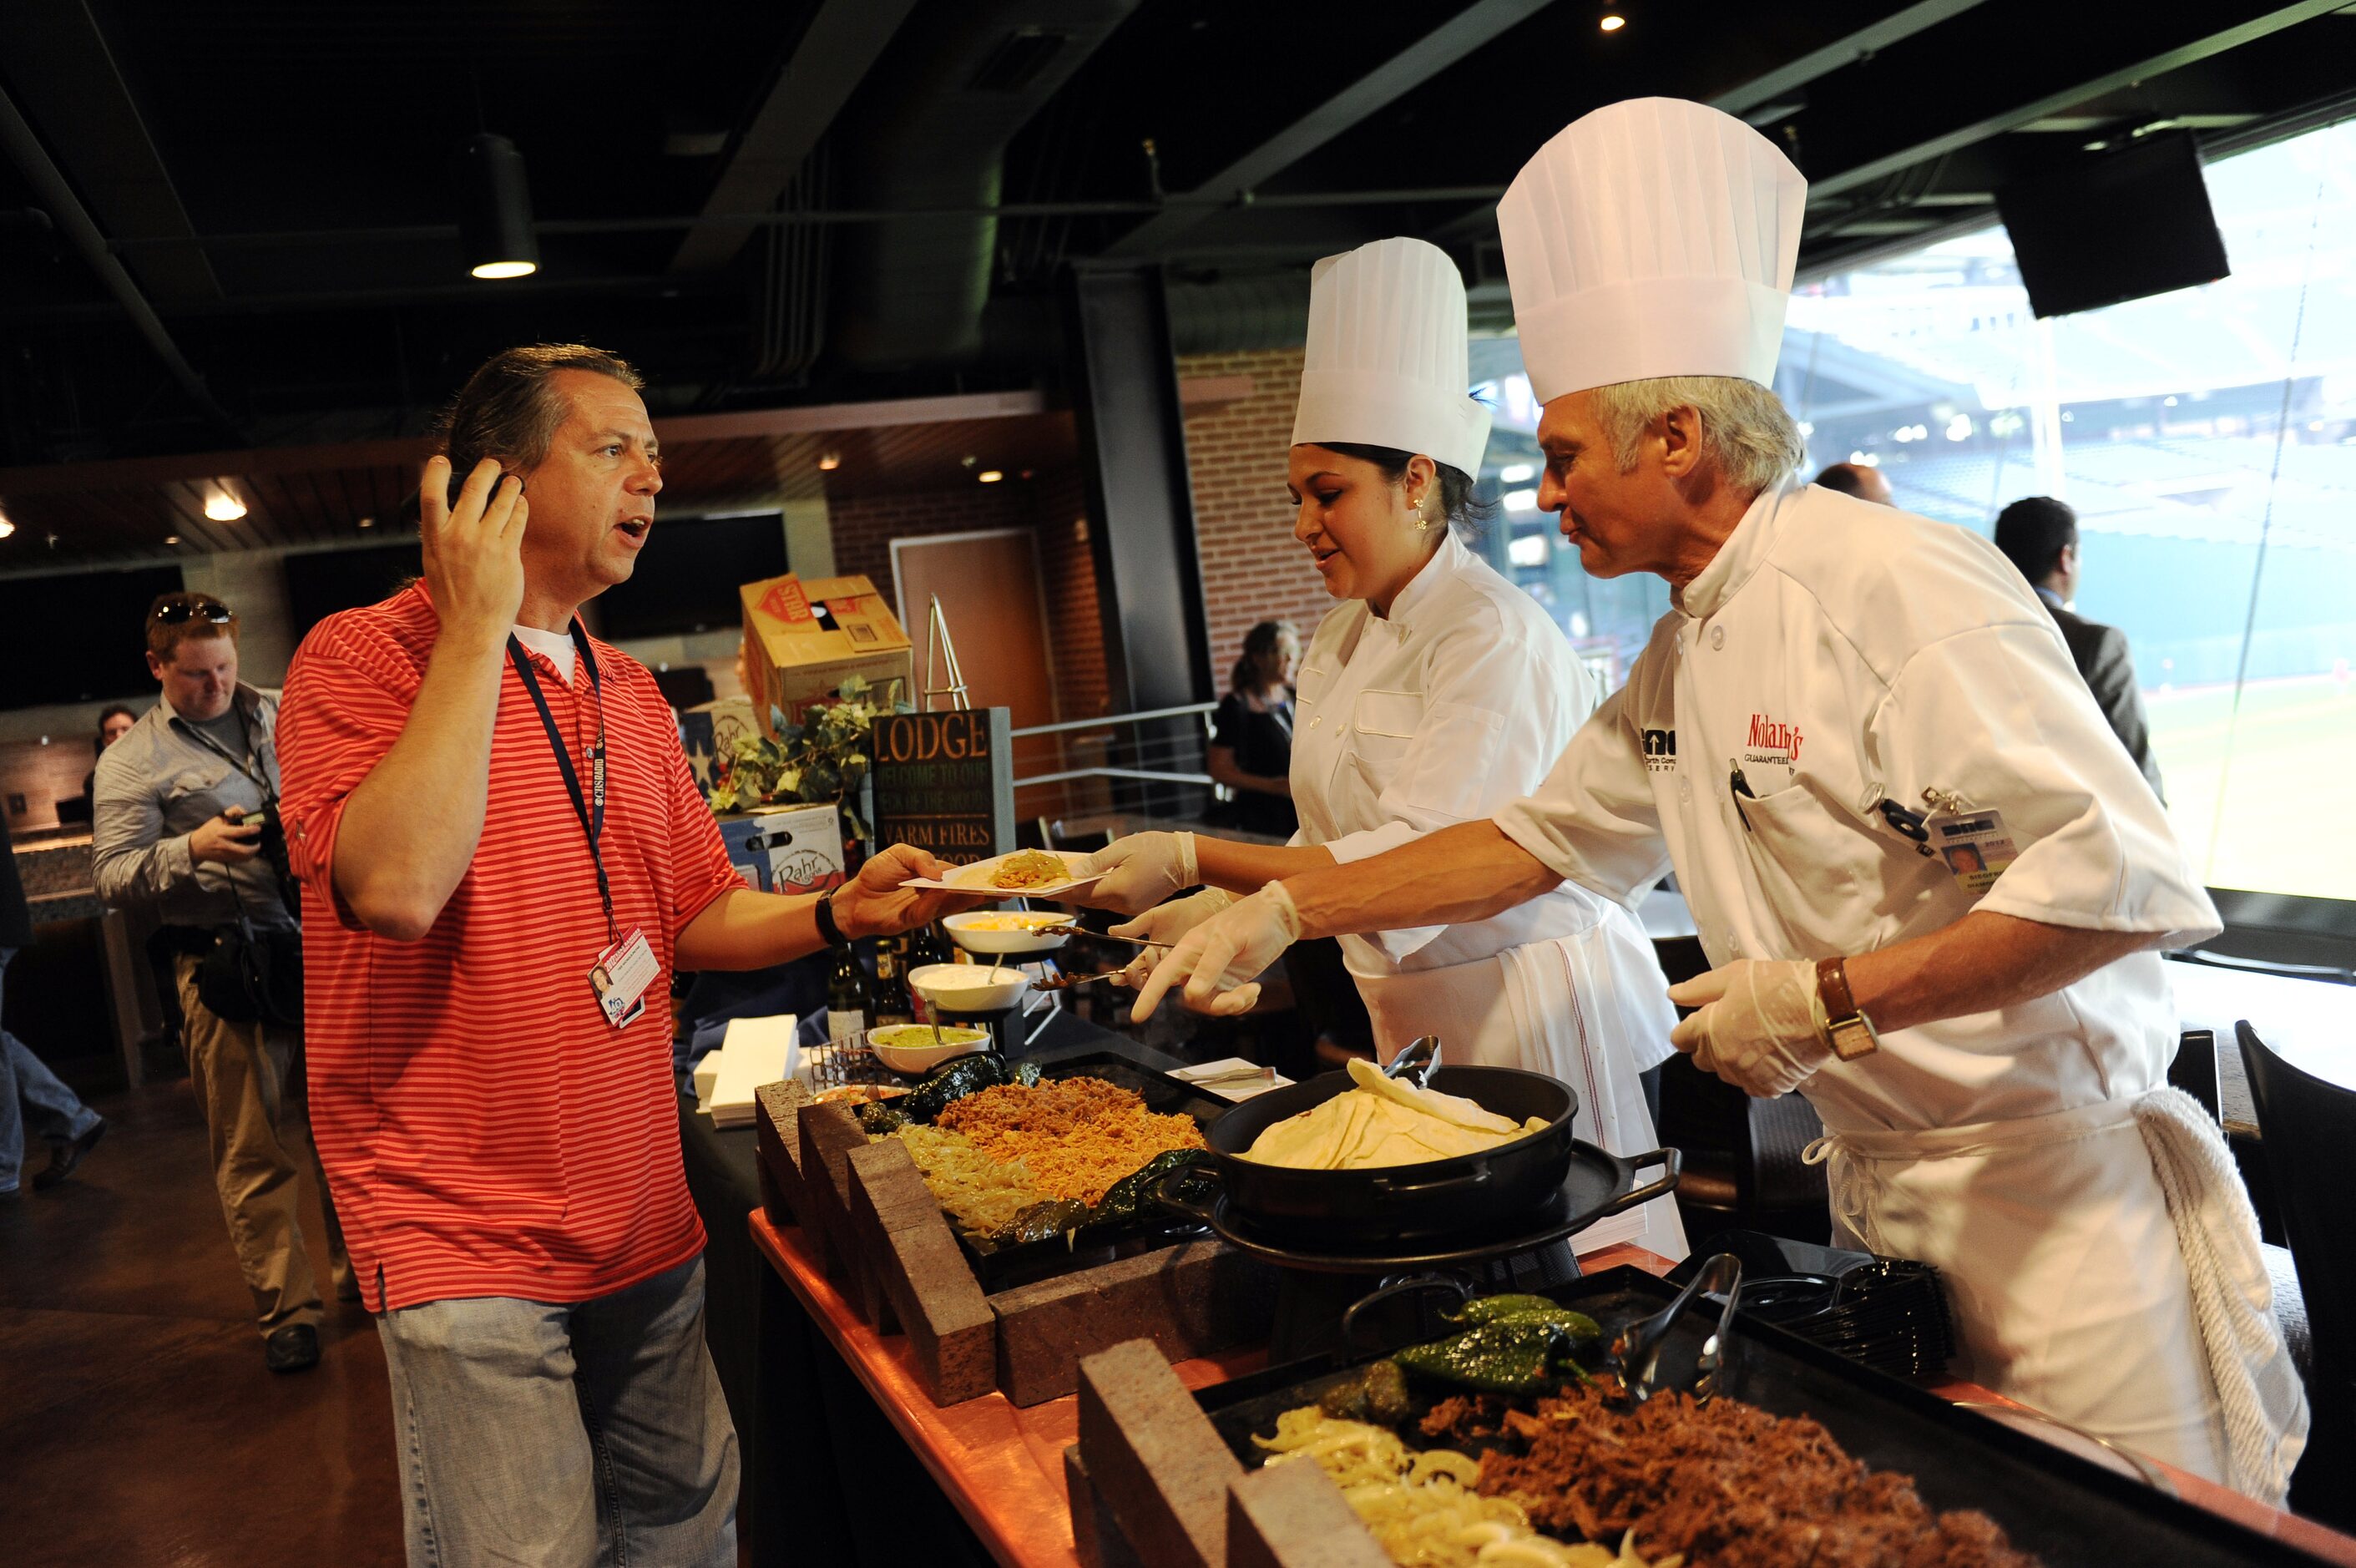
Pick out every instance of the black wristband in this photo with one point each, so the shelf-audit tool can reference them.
(830, 933)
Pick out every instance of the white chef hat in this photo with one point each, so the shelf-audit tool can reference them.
(1653, 237)
(1387, 364)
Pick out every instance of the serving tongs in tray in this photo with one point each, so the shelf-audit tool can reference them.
(1634, 1353)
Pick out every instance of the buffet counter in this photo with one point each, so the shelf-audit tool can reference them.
(1003, 1467)
(847, 1459)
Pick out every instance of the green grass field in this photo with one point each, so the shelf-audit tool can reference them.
(2287, 784)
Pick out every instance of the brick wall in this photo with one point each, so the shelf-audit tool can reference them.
(1235, 453)
(1083, 686)
(864, 527)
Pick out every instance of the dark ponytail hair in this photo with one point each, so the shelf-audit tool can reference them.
(1259, 643)
(1466, 509)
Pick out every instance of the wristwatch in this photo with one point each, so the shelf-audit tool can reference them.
(1849, 1032)
(828, 932)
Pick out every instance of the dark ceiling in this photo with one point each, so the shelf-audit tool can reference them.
(234, 223)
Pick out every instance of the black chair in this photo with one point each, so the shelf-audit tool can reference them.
(2307, 1128)
(2194, 1070)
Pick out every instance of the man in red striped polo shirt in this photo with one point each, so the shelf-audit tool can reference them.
(503, 860)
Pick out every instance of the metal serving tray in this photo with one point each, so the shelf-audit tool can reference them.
(1094, 1244)
(2069, 1511)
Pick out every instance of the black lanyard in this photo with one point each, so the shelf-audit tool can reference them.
(254, 768)
(591, 816)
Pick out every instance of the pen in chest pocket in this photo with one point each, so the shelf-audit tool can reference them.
(1737, 789)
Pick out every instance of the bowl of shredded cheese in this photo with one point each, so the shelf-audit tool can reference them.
(1008, 930)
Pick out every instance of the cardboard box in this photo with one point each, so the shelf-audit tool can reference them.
(801, 639)
(708, 732)
(793, 851)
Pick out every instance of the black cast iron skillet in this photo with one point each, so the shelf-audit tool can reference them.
(1435, 1197)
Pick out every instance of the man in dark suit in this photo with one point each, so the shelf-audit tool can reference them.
(2040, 535)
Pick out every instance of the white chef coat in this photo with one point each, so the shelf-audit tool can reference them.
(1839, 654)
(1455, 703)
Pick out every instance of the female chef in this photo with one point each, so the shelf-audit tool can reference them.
(1432, 694)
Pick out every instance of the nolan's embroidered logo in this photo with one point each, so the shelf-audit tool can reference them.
(1769, 736)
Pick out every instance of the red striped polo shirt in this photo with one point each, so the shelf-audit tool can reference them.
(485, 1132)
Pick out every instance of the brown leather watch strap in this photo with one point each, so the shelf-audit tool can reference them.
(1832, 985)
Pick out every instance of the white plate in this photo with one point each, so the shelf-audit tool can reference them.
(975, 878)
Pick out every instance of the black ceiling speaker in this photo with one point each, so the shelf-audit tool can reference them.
(494, 210)
(2116, 227)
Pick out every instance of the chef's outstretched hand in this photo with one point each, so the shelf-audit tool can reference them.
(1757, 1027)
(1220, 961)
(1139, 872)
(1162, 925)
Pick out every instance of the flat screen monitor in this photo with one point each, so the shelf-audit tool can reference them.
(688, 574)
(2121, 226)
(321, 582)
(82, 635)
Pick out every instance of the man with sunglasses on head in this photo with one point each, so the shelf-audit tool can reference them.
(179, 809)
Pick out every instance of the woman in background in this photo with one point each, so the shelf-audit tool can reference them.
(1251, 733)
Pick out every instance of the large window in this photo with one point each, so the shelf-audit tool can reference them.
(2207, 439)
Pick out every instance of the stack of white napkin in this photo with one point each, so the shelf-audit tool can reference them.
(754, 1051)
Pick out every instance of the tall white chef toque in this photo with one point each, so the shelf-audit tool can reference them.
(1653, 237)
(1387, 364)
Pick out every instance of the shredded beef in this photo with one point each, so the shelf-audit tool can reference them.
(1726, 1483)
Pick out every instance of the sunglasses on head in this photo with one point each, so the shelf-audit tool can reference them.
(181, 611)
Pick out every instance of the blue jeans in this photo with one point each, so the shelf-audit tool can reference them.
(541, 1433)
(27, 1085)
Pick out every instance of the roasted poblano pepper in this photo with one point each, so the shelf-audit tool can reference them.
(1584, 1331)
(1134, 1193)
(954, 1079)
(879, 1118)
(1375, 1392)
(1039, 1222)
(1510, 1345)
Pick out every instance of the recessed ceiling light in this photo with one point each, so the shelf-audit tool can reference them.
(7, 528)
(223, 507)
(171, 539)
(368, 522)
(492, 271)
(828, 461)
(990, 476)
(1612, 21)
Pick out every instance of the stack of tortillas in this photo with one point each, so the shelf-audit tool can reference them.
(1383, 1121)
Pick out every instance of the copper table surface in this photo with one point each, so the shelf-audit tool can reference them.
(1002, 1466)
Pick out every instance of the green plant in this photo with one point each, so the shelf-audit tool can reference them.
(824, 758)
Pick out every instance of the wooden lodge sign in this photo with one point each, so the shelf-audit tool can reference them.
(945, 782)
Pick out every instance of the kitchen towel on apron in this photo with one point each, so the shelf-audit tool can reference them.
(1556, 1007)
(2103, 1262)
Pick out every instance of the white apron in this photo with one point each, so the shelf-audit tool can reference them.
(2139, 1309)
(1456, 703)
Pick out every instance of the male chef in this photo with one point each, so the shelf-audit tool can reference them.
(1840, 694)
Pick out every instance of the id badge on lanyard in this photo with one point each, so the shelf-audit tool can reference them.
(1972, 841)
(622, 973)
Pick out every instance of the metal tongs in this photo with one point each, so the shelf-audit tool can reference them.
(1416, 1064)
(1636, 1351)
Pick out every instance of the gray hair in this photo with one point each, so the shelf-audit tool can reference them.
(1745, 429)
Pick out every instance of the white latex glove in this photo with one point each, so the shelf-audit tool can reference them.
(1139, 872)
(1220, 961)
(1757, 1027)
(1162, 925)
